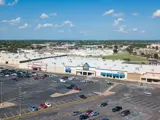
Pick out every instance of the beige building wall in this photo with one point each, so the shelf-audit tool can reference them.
(134, 76)
(56, 69)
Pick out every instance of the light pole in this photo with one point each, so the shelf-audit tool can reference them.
(20, 97)
(1, 93)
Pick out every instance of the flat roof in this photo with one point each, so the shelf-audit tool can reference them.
(100, 64)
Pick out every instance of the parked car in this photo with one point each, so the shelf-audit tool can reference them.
(7, 75)
(110, 83)
(63, 79)
(88, 112)
(83, 117)
(147, 93)
(71, 86)
(14, 74)
(71, 78)
(33, 108)
(125, 112)
(76, 113)
(78, 89)
(48, 104)
(83, 97)
(103, 104)
(46, 75)
(35, 78)
(43, 106)
(34, 74)
(94, 114)
(14, 78)
(117, 109)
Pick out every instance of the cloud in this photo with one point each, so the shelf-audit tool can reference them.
(43, 16)
(44, 25)
(67, 22)
(13, 3)
(122, 29)
(53, 14)
(58, 26)
(108, 12)
(116, 22)
(135, 14)
(13, 21)
(118, 14)
(135, 29)
(142, 31)
(2, 2)
(156, 14)
(24, 26)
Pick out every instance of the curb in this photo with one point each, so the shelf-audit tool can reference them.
(51, 108)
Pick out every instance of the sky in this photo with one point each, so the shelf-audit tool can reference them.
(80, 19)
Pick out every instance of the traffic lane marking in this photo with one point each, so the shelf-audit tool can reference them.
(54, 107)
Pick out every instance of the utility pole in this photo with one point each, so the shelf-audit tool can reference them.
(1, 93)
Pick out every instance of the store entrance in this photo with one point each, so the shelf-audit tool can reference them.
(86, 73)
(36, 68)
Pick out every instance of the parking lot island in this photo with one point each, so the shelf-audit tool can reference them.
(68, 93)
(6, 104)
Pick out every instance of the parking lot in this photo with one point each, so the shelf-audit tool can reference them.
(142, 106)
(27, 91)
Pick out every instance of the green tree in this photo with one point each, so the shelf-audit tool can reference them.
(115, 51)
(156, 56)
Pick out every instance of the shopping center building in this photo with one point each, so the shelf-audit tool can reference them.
(97, 67)
(84, 66)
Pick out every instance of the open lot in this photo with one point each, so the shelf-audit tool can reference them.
(27, 91)
(132, 97)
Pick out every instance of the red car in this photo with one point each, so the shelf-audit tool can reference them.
(14, 78)
(43, 77)
(35, 78)
(43, 106)
(79, 89)
(89, 112)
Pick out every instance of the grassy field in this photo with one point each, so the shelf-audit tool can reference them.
(123, 56)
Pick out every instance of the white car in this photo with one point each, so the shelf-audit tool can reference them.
(48, 104)
(7, 75)
(61, 80)
(64, 79)
(71, 78)
(94, 114)
(147, 93)
(84, 81)
(14, 74)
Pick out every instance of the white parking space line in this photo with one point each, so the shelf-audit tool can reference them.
(29, 110)
(24, 111)
(58, 103)
(53, 103)
(5, 115)
(12, 114)
(18, 112)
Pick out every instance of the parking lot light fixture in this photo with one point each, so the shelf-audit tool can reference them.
(20, 97)
(1, 93)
